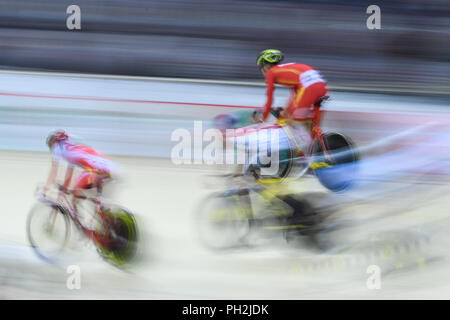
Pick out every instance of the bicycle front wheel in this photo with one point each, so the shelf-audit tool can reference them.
(48, 229)
(223, 221)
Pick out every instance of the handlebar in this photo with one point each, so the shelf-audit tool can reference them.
(61, 188)
(275, 112)
(40, 190)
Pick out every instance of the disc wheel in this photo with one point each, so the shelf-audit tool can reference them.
(120, 248)
(338, 169)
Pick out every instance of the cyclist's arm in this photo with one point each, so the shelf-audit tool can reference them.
(270, 90)
(52, 175)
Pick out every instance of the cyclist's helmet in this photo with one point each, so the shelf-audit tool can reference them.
(273, 56)
(56, 136)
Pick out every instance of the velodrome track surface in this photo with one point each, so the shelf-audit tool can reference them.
(398, 209)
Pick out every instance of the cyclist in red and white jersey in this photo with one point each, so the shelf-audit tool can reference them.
(306, 84)
(96, 168)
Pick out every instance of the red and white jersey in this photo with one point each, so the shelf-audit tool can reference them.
(293, 75)
(82, 156)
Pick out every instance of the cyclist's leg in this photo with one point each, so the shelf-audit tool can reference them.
(86, 180)
(101, 179)
(89, 185)
(305, 99)
(301, 110)
(298, 109)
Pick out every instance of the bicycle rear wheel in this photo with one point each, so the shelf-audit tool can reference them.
(120, 248)
(337, 170)
(48, 229)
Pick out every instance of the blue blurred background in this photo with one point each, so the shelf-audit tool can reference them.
(217, 39)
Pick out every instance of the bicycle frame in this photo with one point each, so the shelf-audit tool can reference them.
(67, 207)
(316, 131)
(268, 189)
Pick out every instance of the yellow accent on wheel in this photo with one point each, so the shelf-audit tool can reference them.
(319, 165)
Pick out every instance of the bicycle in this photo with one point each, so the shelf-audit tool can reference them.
(227, 218)
(114, 231)
(332, 157)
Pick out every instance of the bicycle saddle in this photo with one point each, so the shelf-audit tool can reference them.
(321, 100)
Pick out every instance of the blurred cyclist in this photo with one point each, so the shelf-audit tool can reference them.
(96, 169)
(234, 120)
(306, 84)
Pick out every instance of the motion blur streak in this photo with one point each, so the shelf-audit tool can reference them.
(138, 70)
(217, 39)
(396, 217)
